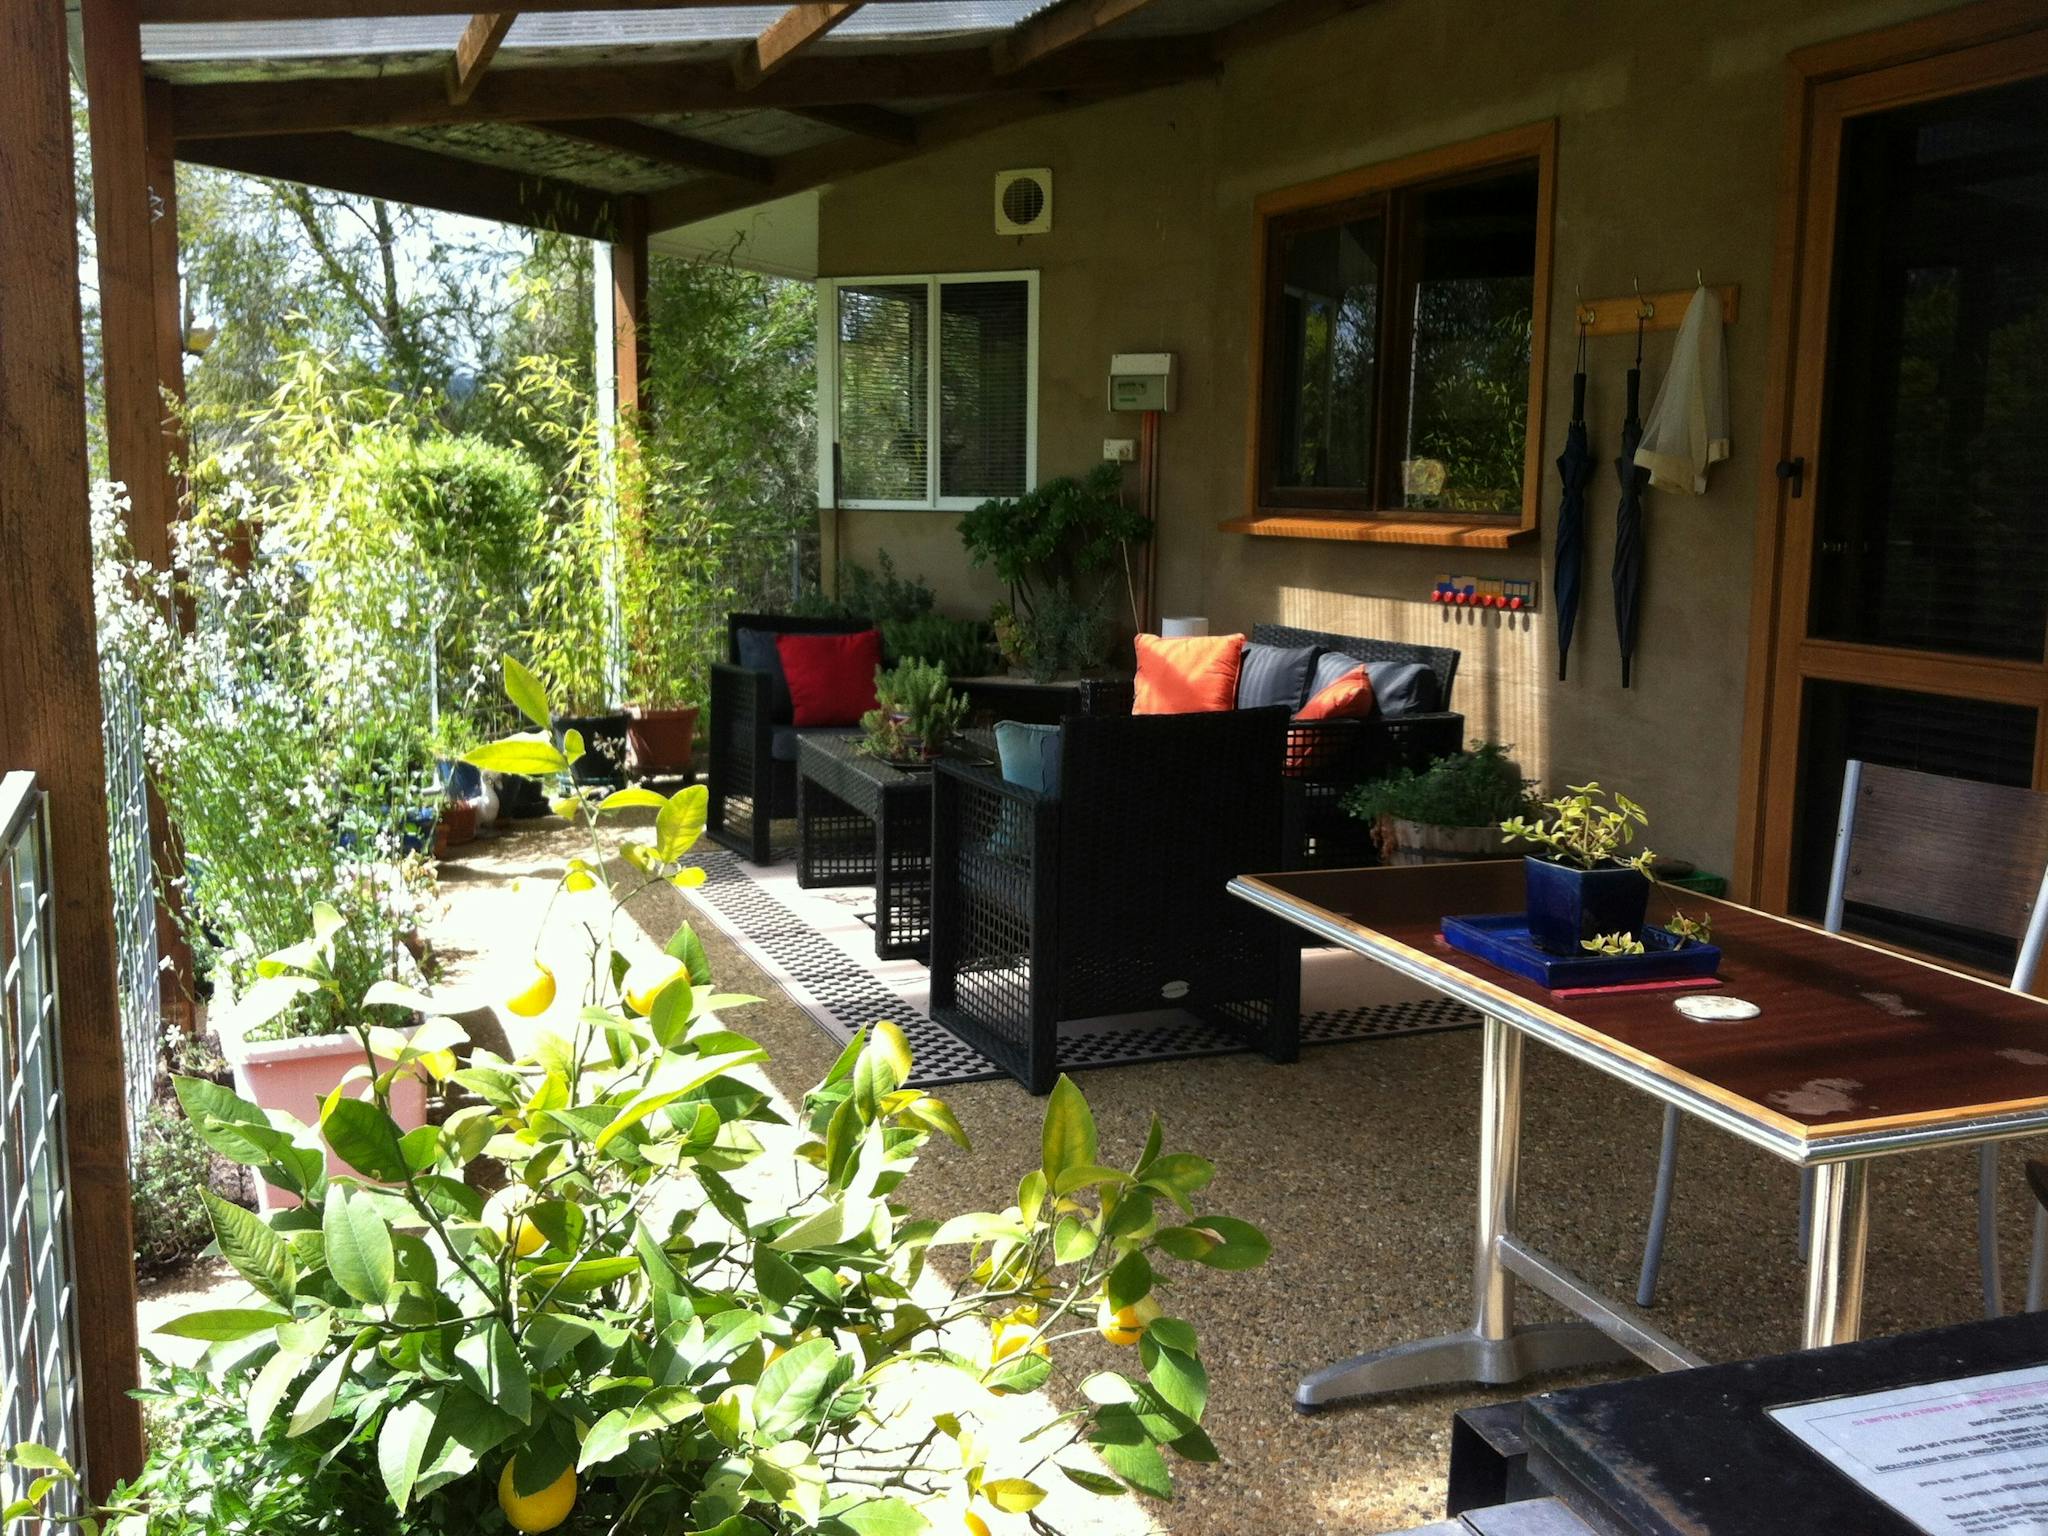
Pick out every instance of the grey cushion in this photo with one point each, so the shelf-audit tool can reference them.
(1275, 674)
(783, 739)
(757, 650)
(1398, 687)
(1030, 755)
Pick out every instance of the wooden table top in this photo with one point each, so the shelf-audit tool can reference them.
(1852, 1040)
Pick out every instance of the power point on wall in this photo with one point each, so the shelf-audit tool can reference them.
(1123, 450)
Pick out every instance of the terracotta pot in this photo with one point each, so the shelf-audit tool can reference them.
(296, 1075)
(661, 741)
(458, 826)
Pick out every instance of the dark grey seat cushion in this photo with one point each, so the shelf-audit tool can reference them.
(1275, 674)
(783, 739)
(1398, 687)
(758, 652)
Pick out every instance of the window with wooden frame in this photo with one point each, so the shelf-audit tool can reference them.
(927, 389)
(1397, 391)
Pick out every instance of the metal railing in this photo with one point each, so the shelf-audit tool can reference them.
(39, 1376)
(134, 879)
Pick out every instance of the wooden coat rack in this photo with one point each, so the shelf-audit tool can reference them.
(1659, 311)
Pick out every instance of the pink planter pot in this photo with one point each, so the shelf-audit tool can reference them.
(296, 1076)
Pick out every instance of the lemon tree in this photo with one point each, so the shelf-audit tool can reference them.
(626, 1338)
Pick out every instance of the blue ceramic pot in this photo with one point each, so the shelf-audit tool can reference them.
(1568, 905)
(460, 780)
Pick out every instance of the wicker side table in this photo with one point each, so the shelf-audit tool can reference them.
(860, 821)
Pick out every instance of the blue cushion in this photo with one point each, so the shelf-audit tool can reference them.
(757, 650)
(1330, 666)
(1275, 674)
(1030, 755)
(1398, 687)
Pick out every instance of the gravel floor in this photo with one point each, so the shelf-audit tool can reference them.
(1359, 1163)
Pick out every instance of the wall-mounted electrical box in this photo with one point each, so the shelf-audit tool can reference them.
(1141, 381)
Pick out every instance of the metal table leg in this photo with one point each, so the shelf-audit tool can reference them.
(1834, 1254)
(1493, 1351)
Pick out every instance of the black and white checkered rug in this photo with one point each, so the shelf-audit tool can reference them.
(811, 943)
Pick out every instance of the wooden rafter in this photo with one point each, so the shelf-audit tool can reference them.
(865, 121)
(1062, 26)
(474, 51)
(786, 37)
(658, 144)
(251, 108)
(343, 162)
(195, 11)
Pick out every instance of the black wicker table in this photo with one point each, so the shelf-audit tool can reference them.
(860, 822)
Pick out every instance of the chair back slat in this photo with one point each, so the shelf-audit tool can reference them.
(1947, 850)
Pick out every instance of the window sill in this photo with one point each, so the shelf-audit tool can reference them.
(1445, 533)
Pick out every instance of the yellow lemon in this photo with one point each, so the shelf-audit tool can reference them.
(976, 1526)
(539, 996)
(1125, 1325)
(647, 981)
(1013, 1333)
(503, 1215)
(541, 1511)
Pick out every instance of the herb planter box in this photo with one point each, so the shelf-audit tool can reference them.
(295, 1075)
(1567, 905)
(661, 742)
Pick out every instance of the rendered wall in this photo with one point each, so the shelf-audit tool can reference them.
(1669, 159)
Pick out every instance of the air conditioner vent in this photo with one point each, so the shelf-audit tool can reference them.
(1024, 202)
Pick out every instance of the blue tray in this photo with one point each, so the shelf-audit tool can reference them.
(1504, 941)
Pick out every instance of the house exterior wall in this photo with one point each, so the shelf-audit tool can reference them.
(1670, 149)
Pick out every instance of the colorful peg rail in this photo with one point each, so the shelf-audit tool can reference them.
(1503, 596)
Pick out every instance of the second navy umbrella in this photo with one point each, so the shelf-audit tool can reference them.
(1628, 519)
(1575, 469)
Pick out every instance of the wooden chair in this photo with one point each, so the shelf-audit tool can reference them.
(1957, 852)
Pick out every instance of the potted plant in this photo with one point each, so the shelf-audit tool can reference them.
(915, 715)
(296, 1039)
(1584, 888)
(1059, 548)
(1451, 810)
(657, 1324)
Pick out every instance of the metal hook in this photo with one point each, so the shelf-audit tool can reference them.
(1644, 309)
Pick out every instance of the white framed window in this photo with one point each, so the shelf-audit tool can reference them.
(927, 389)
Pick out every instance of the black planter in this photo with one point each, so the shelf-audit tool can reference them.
(1568, 905)
(521, 798)
(603, 763)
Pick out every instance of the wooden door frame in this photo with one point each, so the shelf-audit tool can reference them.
(1824, 84)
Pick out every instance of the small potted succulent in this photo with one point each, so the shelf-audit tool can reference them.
(1451, 810)
(1584, 887)
(915, 715)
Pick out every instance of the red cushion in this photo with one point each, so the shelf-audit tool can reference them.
(831, 677)
(1186, 675)
(1348, 698)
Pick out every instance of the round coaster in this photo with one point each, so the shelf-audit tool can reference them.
(1716, 1010)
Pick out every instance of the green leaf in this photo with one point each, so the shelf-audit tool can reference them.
(632, 798)
(829, 1227)
(883, 1517)
(359, 1254)
(386, 993)
(1073, 1241)
(316, 1404)
(365, 1138)
(979, 1227)
(616, 1431)
(34, 1457)
(1094, 1482)
(526, 693)
(1068, 1138)
(489, 1361)
(1128, 1451)
(224, 1323)
(1177, 1377)
(532, 756)
(674, 1079)
(680, 823)
(790, 1390)
(1233, 1244)
(1130, 1281)
(688, 948)
(1013, 1495)
(258, 1254)
(1084, 1175)
(936, 1115)
(1020, 1373)
(402, 1444)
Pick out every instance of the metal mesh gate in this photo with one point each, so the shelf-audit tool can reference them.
(128, 852)
(39, 1386)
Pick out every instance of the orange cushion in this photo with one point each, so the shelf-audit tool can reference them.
(1348, 698)
(1187, 674)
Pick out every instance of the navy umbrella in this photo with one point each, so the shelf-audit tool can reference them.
(1575, 469)
(1628, 519)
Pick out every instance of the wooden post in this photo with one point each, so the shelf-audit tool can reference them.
(629, 306)
(50, 691)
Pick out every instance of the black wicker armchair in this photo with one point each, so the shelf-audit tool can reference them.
(752, 742)
(1108, 897)
(1326, 759)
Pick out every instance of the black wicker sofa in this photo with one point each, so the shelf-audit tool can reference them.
(1106, 897)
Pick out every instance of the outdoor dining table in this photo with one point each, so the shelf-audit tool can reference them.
(1858, 1052)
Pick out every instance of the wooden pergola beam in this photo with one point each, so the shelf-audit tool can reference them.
(257, 108)
(474, 51)
(865, 121)
(343, 162)
(1062, 26)
(658, 144)
(50, 707)
(786, 37)
(175, 12)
